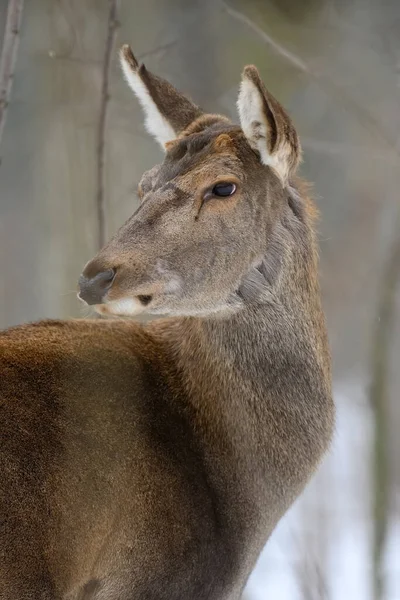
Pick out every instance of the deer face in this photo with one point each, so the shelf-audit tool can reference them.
(197, 243)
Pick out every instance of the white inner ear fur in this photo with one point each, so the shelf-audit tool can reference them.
(257, 131)
(156, 124)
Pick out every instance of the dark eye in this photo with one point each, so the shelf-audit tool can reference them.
(224, 189)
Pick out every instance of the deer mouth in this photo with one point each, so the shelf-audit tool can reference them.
(144, 299)
(153, 299)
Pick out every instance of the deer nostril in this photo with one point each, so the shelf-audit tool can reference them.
(106, 277)
(93, 289)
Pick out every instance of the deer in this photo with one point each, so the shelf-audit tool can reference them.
(152, 459)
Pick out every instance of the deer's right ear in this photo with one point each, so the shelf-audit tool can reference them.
(168, 112)
(267, 126)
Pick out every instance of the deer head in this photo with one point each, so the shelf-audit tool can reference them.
(200, 241)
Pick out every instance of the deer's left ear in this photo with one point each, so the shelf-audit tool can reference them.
(168, 112)
(267, 126)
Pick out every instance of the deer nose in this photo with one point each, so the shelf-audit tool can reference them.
(93, 289)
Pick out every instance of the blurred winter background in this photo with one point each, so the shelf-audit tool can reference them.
(73, 147)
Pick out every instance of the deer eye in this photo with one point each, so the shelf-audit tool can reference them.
(224, 189)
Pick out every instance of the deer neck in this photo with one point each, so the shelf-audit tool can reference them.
(254, 383)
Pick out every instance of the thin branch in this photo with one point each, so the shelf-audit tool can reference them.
(8, 57)
(157, 50)
(338, 93)
(105, 96)
(279, 49)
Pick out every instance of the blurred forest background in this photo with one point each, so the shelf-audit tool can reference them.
(73, 148)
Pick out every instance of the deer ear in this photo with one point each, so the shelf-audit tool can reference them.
(267, 126)
(168, 112)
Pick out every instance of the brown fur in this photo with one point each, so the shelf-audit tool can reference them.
(153, 462)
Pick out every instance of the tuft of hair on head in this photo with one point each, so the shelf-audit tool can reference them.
(224, 143)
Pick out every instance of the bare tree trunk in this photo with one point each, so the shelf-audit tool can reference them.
(8, 57)
(381, 344)
(105, 95)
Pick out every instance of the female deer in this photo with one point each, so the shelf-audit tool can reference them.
(153, 462)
